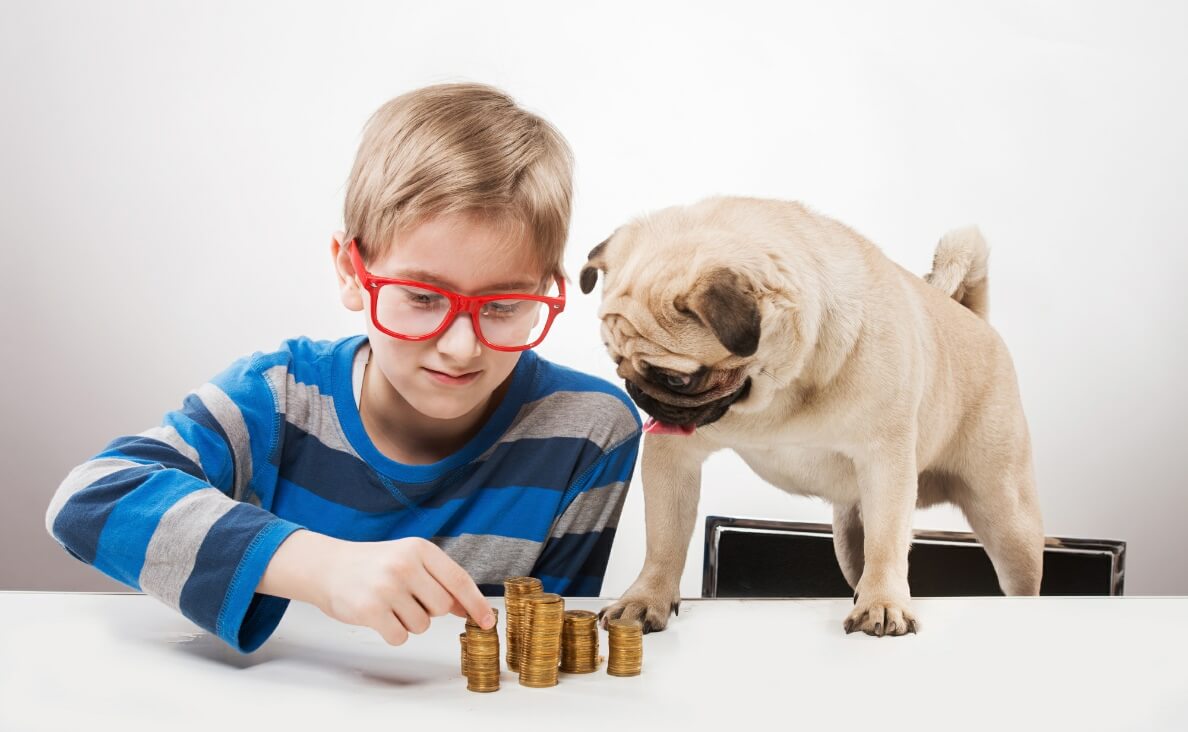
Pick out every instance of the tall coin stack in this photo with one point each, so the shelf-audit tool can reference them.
(626, 648)
(538, 667)
(515, 589)
(579, 642)
(481, 658)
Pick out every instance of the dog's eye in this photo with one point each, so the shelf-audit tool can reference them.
(677, 380)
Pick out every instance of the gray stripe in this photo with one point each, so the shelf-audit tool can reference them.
(170, 436)
(592, 415)
(171, 552)
(491, 559)
(81, 477)
(307, 409)
(593, 510)
(227, 414)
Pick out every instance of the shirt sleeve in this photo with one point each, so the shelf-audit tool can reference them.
(574, 558)
(173, 511)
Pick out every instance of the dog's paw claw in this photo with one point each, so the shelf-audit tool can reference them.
(885, 618)
(651, 615)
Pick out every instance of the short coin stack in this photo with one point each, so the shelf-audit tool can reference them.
(545, 613)
(515, 590)
(462, 640)
(626, 648)
(481, 655)
(579, 642)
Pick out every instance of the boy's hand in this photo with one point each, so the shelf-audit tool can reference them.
(395, 587)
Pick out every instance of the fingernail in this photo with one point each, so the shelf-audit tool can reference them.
(488, 621)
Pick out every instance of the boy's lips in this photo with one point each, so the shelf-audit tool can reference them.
(452, 379)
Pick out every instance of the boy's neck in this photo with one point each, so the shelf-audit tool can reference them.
(407, 436)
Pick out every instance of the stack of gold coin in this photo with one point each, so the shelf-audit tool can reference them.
(546, 614)
(626, 648)
(462, 640)
(515, 589)
(482, 656)
(579, 642)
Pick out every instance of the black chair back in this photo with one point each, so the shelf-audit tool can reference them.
(766, 558)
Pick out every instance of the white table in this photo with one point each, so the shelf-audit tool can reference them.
(103, 661)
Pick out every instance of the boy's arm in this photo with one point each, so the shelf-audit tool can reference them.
(574, 558)
(170, 511)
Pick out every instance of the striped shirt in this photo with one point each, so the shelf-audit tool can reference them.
(192, 511)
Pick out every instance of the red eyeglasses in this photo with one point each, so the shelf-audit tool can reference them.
(417, 311)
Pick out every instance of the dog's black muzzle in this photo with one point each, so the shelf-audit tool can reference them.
(695, 416)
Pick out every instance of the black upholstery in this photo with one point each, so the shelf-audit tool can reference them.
(763, 558)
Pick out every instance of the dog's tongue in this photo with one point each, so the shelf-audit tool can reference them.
(661, 428)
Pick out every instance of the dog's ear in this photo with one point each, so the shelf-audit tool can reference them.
(594, 264)
(722, 301)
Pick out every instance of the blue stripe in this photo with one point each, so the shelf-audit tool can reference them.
(198, 416)
(332, 474)
(313, 369)
(520, 512)
(309, 362)
(247, 618)
(341, 478)
(525, 462)
(617, 466)
(132, 522)
(80, 522)
(580, 586)
(304, 507)
(148, 450)
(574, 554)
(264, 613)
(218, 558)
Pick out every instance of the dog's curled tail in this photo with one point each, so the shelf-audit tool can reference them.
(959, 269)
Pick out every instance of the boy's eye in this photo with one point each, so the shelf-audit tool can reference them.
(501, 309)
(422, 297)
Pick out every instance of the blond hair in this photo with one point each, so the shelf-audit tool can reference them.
(460, 149)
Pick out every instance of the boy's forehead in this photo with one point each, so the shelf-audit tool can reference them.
(464, 253)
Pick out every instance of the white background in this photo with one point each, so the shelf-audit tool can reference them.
(170, 175)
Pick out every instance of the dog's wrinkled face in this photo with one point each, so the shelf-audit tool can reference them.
(682, 335)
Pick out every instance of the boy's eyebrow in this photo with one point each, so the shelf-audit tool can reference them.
(523, 285)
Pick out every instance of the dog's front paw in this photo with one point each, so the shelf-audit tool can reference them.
(880, 616)
(650, 610)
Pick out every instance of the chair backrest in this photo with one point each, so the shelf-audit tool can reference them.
(767, 558)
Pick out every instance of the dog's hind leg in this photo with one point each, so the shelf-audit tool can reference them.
(847, 541)
(1003, 511)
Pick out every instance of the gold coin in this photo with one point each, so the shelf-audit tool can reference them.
(626, 648)
(481, 657)
(579, 642)
(514, 590)
(545, 612)
(471, 623)
(462, 640)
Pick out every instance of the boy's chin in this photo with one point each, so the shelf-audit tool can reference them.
(447, 409)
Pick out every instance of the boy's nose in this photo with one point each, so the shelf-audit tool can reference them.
(459, 341)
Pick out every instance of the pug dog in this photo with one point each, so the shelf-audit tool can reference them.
(765, 328)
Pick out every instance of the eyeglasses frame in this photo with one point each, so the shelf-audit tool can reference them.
(459, 303)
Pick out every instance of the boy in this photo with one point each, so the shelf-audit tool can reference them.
(393, 477)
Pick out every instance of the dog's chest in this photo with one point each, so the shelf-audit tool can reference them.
(811, 471)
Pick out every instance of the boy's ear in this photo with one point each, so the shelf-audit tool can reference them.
(349, 290)
(595, 263)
